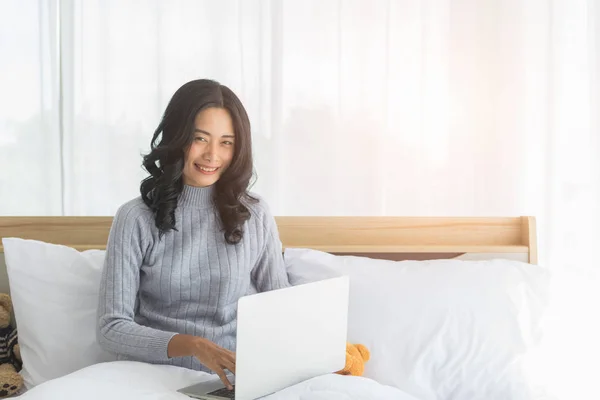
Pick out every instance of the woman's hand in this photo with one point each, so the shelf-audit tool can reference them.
(212, 356)
(215, 358)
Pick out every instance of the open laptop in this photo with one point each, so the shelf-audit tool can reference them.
(284, 337)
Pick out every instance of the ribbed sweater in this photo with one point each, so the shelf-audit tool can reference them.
(188, 281)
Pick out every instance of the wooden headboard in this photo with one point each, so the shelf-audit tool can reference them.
(388, 237)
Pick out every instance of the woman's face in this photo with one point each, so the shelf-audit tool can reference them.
(211, 150)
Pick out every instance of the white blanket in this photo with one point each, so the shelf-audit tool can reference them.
(126, 380)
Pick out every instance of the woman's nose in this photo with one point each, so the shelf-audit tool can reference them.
(211, 153)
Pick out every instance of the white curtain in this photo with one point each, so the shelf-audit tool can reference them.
(379, 107)
(388, 107)
(30, 136)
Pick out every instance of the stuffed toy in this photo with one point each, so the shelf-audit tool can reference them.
(10, 355)
(356, 357)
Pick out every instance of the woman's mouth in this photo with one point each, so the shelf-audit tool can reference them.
(206, 170)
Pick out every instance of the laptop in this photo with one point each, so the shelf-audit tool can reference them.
(284, 337)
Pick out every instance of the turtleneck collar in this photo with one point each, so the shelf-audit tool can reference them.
(196, 196)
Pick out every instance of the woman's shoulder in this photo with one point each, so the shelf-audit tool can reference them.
(134, 210)
(131, 223)
(260, 210)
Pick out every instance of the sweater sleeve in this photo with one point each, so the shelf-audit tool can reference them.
(270, 272)
(117, 332)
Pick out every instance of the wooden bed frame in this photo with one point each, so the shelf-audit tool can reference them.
(383, 237)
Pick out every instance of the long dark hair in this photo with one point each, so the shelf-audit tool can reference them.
(165, 161)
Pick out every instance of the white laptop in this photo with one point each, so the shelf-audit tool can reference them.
(284, 337)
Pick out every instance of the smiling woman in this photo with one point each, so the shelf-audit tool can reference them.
(180, 256)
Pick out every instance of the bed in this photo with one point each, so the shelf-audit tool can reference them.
(449, 307)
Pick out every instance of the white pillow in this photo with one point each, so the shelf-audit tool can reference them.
(54, 290)
(440, 329)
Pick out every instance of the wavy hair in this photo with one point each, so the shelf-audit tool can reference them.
(173, 136)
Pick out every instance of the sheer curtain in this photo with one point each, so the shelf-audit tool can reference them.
(30, 136)
(388, 107)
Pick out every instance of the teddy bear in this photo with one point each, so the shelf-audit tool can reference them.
(10, 355)
(356, 357)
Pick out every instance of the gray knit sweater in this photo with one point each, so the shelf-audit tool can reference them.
(187, 282)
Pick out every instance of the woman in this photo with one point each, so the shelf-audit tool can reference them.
(180, 256)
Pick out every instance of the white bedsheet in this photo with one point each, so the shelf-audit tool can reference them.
(126, 380)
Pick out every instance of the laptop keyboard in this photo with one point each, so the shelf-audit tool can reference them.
(224, 392)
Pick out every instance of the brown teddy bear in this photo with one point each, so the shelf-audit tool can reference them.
(10, 355)
(356, 357)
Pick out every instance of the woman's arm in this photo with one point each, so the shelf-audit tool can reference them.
(117, 331)
(270, 272)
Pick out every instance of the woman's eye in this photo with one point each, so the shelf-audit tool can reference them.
(200, 138)
(228, 143)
